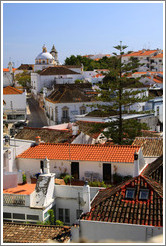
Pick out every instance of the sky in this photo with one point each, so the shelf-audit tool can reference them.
(78, 28)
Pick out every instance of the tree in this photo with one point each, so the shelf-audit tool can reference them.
(23, 79)
(119, 90)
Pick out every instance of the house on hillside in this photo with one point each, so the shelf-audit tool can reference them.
(152, 147)
(83, 162)
(151, 59)
(15, 108)
(65, 102)
(51, 76)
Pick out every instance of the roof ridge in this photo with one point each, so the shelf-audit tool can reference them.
(150, 182)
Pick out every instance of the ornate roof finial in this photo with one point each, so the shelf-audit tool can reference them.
(44, 48)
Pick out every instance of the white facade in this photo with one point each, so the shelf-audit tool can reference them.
(15, 107)
(39, 81)
(8, 78)
(120, 232)
(88, 170)
(55, 115)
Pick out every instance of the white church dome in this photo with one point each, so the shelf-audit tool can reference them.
(44, 55)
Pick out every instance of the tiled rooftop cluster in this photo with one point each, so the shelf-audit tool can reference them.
(151, 146)
(84, 152)
(110, 205)
(23, 233)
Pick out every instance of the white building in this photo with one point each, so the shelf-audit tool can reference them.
(84, 162)
(8, 75)
(15, 107)
(51, 76)
(146, 57)
(65, 102)
(125, 213)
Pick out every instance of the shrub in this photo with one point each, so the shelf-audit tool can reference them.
(59, 222)
(24, 178)
(52, 217)
(97, 184)
(62, 175)
(67, 178)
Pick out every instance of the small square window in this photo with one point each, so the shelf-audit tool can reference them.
(144, 194)
(130, 193)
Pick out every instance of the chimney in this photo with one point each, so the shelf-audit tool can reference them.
(46, 166)
(86, 197)
(136, 165)
(38, 140)
(10, 67)
(75, 129)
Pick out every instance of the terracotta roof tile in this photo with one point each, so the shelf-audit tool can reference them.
(115, 153)
(151, 146)
(11, 90)
(7, 69)
(57, 70)
(28, 233)
(25, 189)
(141, 53)
(111, 205)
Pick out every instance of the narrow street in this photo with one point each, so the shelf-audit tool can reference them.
(35, 115)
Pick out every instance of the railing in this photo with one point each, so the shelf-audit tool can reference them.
(13, 200)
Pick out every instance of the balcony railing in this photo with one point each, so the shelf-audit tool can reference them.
(13, 200)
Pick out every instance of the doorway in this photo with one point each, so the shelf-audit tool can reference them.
(75, 170)
(107, 173)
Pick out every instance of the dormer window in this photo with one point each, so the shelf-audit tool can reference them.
(144, 195)
(130, 193)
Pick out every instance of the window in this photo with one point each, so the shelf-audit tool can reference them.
(67, 215)
(78, 213)
(19, 216)
(144, 194)
(46, 215)
(65, 112)
(61, 214)
(6, 215)
(32, 217)
(130, 193)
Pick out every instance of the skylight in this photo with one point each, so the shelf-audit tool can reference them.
(130, 193)
(144, 194)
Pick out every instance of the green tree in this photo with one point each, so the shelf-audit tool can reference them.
(120, 91)
(24, 79)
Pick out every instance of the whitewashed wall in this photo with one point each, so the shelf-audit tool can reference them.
(74, 109)
(7, 79)
(18, 101)
(60, 166)
(97, 231)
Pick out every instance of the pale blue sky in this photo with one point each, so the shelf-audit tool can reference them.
(78, 28)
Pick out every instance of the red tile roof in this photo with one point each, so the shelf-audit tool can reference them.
(7, 69)
(11, 90)
(84, 152)
(110, 205)
(158, 56)
(141, 53)
(25, 189)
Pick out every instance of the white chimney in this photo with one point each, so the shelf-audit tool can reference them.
(75, 129)
(46, 166)
(86, 197)
(136, 165)
(10, 67)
